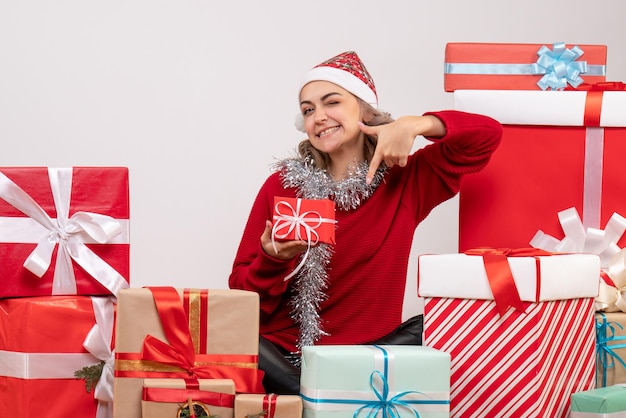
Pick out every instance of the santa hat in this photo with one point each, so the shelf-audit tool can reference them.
(348, 72)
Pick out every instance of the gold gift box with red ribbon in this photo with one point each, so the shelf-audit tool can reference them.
(268, 406)
(64, 231)
(164, 332)
(518, 324)
(167, 398)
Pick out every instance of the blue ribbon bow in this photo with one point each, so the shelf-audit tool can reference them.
(605, 333)
(559, 66)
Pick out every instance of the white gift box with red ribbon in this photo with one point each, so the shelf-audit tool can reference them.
(572, 200)
(528, 360)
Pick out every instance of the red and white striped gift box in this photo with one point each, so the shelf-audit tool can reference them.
(519, 364)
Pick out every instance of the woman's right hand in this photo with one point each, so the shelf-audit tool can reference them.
(285, 250)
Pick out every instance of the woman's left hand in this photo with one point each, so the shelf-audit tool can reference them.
(395, 139)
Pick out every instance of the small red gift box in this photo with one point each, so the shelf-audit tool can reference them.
(561, 154)
(310, 220)
(44, 341)
(502, 66)
(64, 231)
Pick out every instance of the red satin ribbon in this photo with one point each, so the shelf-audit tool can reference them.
(500, 277)
(180, 354)
(269, 405)
(225, 400)
(593, 101)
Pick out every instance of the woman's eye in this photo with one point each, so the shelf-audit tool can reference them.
(306, 111)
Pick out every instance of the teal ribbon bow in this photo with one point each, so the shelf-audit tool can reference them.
(605, 334)
(388, 406)
(559, 66)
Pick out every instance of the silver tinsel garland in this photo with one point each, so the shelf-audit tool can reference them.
(311, 280)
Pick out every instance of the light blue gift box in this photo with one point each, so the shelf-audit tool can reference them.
(608, 402)
(345, 381)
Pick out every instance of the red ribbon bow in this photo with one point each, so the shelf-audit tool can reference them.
(500, 277)
(180, 351)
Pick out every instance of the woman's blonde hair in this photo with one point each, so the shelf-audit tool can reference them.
(371, 117)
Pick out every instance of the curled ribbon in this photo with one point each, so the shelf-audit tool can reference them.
(69, 233)
(559, 66)
(294, 221)
(98, 343)
(500, 277)
(605, 334)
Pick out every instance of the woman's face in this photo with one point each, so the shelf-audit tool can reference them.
(331, 116)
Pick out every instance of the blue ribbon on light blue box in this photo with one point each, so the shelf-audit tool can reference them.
(605, 334)
(559, 67)
(383, 403)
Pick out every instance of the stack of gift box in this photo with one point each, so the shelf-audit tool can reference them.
(527, 319)
(74, 336)
(531, 308)
(64, 246)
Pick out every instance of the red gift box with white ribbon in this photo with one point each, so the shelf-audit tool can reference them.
(518, 324)
(560, 150)
(40, 354)
(311, 220)
(64, 231)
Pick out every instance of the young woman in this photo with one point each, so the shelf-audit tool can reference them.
(351, 292)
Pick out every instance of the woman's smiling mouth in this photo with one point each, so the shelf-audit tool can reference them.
(328, 131)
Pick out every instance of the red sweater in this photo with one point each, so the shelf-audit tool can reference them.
(368, 269)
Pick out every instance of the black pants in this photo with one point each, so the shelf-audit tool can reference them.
(282, 377)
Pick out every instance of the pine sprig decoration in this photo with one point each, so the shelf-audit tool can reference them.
(199, 411)
(91, 375)
(259, 415)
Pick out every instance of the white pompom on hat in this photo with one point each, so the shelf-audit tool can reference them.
(348, 72)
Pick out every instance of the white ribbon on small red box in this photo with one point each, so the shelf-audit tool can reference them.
(69, 233)
(293, 220)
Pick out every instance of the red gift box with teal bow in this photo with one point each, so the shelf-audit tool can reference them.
(510, 66)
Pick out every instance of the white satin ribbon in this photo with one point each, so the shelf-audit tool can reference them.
(580, 240)
(294, 221)
(98, 343)
(613, 299)
(68, 232)
(43, 365)
(603, 243)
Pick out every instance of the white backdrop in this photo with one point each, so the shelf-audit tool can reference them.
(198, 98)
